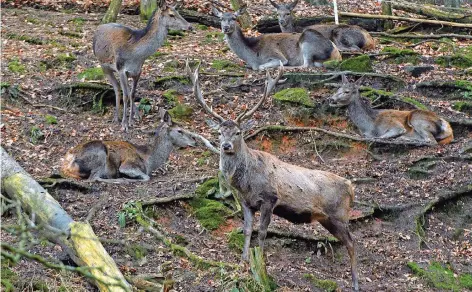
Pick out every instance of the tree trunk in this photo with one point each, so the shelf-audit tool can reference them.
(112, 12)
(244, 19)
(77, 238)
(146, 8)
(387, 10)
(435, 12)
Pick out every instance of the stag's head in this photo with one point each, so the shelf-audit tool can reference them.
(285, 12)
(172, 18)
(228, 19)
(346, 93)
(231, 131)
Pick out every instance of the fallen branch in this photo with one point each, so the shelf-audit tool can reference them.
(418, 20)
(166, 200)
(276, 128)
(22, 94)
(204, 140)
(433, 11)
(422, 36)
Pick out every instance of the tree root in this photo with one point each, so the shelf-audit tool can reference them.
(277, 128)
(52, 182)
(422, 36)
(166, 200)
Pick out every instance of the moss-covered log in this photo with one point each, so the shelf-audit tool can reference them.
(77, 238)
(146, 8)
(112, 12)
(433, 11)
(203, 18)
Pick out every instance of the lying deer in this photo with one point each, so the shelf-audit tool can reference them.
(118, 161)
(346, 37)
(271, 186)
(415, 125)
(267, 51)
(123, 50)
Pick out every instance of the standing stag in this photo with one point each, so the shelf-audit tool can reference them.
(267, 51)
(346, 37)
(416, 125)
(123, 50)
(117, 161)
(271, 186)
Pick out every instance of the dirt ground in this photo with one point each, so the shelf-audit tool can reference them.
(385, 242)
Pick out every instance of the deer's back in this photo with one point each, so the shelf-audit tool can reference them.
(346, 35)
(109, 38)
(286, 43)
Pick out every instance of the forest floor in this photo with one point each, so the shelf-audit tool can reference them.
(43, 51)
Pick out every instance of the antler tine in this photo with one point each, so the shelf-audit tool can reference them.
(269, 86)
(197, 91)
(274, 4)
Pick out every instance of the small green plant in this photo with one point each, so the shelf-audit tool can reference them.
(213, 37)
(65, 58)
(15, 66)
(36, 135)
(208, 187)
(224, 65)
(92, 74)
(181, 112)
(50, 120)
(145, 105)
(78, 21)
(130, 211)
(170, 96)
(33, 20)
(236, 240)
(97, 105)
(26, 38)
(442, 277)
(202, 27)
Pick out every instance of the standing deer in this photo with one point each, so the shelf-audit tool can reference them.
(118, 161)
(267, 51)
(123, 50)
(271, 186)
(415, 125)
(346, 37)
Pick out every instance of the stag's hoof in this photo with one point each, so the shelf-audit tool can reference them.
(116, 119)
(124, 127)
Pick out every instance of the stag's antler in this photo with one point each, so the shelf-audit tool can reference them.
(292, 5)
(197, 91)
(274, 4)
(269, 86)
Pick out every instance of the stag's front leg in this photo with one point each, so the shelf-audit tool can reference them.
(273, 64)
(267, 209)
(248, 218)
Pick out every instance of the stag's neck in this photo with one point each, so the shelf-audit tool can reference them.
(159, 153)
(153, 37)
(235, 168)
(362, 115)
(238, 43)
(288, 28)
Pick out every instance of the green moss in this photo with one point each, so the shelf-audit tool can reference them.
(236, 240)
(398, 52)
(36, 135)
(50, 119)
(418, 104)
(66, 58)
(170, 81)
(92, 74)
(40, 285)
(224, 65)
(441, 277)
(181, 112)
(15, 66)
(456, 60)
(173, 32)
(360, 63)
(208, 187)
(8, 277)
(332, 64)
(325, 285)
(33, 20)
(157, 55)
(294, 95)
(213, 37)
(26, 38)
(202, 27)
(70, 34)
(211, 214)
(79, 21)
(372, 93)
(136, 251)
(170, 96)
(463, 106)
(171, 66)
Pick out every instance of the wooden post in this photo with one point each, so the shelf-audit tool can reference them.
(146, 8)
(387, 10)
(112, 12)
(259, 269)
(336, 17)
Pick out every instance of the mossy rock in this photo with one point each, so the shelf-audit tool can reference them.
(92, 74)
(181, 112)
(211, 214)
(463, 106)
(295, 95)
(171, 81)
(373, 94)
(442, 277)
(332, 64)
(418, 104)
(360, 63)
(325, 285)
(402, 55)
(224, 65)
(208, 187)
(236, 240)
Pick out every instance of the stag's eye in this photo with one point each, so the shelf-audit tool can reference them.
(238, 133)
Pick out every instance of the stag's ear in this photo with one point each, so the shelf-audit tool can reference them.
(246, 126)
(216, 12)
(241, 11)
(292, 5)
(274, 4)
(344, 79)
(166, 118)
(212, 124)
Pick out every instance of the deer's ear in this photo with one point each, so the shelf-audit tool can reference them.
(292, 5)
(166, 118)
(216, 12)
(241, 11)
(212, 124)
(246, 126)
(344, 79)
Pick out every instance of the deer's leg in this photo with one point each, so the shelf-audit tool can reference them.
(273, 64)
(248, 218)
(133, 171)
(393, 132)
(116, 87)
(267, 209)
(125, 88)
(340, 230)
(132, 106)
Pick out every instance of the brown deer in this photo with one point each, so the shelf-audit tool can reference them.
(345, 37)
(271, 186)
(123, 50)
(415, 125)
(119, 161)
(267, 51)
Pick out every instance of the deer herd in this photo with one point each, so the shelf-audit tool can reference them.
(262, 182)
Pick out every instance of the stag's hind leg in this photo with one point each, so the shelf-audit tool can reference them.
(109, 73)
(340, 230)
(133, 171)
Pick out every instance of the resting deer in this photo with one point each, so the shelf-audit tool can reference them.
(267, 51)
(123, 50)
(415, 125)
(345, 37)
(271, 186)
(118, 161)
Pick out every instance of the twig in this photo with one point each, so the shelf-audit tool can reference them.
(201, 138)
(335, 134)
(422, 36)
(23, 96)
(434, 41)
(168, 199)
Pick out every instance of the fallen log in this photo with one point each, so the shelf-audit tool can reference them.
(435, 12)
(77, 238)
(422, 36)
(203, 18)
